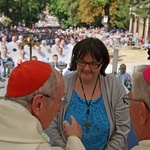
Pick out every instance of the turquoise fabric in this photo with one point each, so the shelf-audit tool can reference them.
(98, 131)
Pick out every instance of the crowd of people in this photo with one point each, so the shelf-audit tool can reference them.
(49, 44)
(86, 108)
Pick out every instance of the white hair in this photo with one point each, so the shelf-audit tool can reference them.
(140, 87)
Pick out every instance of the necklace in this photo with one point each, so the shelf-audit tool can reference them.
(88, 103)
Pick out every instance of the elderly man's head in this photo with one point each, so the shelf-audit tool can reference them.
(38, 87)
(140, 102)
(122, 68)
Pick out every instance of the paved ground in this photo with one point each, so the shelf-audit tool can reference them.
(131, 56)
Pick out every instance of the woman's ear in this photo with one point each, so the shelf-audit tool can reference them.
(37, 105)
(144, 114)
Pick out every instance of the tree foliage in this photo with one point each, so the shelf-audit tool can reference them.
(19, 10)
(61, 10)
(74, 12)
(87, 11)
(141, 8)
(74, 4)
(122, 17)
(5, 21)
(97, 2)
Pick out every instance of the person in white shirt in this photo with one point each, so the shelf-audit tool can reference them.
(71, 46)
(109, 68)
(40, 55)
(54, 47)
(61, 56)
(4, 58)
(22, 58)
(44, 46)
(3, 43)
(64, 46)
(12, 44)
(46, 49)
(20, 39)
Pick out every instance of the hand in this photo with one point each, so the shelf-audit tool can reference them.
(73, 129)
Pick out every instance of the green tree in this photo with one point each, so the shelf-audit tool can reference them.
(88, 11)
(5, 21)
(58, 8)
(69, 12)
(122, 16)
(91, 11)
(19, 10)
(74, 4)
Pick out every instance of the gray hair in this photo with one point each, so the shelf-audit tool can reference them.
(140, 87)
(48, 88)
(57, 39)
(122, 66)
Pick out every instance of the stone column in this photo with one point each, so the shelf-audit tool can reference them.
(115, 61)
(130, 25)
(135, 25)
(141, 26)
(146, 29)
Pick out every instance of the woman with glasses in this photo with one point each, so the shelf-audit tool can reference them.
(94, 99)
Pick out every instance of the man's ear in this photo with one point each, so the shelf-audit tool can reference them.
(37, 105)
(144, 114)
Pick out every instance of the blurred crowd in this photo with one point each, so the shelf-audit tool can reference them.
(53, 45)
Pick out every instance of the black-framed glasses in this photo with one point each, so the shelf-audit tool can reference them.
(63, 100)
(127, 101)
(92, 64)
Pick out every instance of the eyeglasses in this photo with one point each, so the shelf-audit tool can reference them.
(63, 100)
(127, 101)
(92, 64)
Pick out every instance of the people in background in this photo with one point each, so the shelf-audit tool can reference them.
(39, 54)
(54, 61)
(54, 46)
(4, 59)
(55, 58)
(19, 61)
(34, 58)
(124, 76)
(110, 65)
(136, 39)
(12, 44)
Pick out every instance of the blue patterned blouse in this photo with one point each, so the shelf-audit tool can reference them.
(98, 131)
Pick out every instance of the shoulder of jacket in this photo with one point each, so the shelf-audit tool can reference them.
(70, 76)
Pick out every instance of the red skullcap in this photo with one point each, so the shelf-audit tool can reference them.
(146, 74)
(27, 77)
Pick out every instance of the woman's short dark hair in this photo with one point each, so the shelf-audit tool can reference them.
(95, 47)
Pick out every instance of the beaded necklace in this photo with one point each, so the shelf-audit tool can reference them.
(88, 103)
